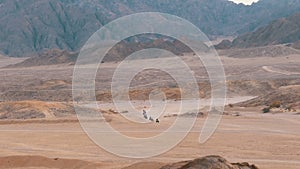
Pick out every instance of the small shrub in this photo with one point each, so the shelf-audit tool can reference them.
(112, 111)
(289, 108)
(230, 105)
(266, 110)
(108, 120)
(275, 104)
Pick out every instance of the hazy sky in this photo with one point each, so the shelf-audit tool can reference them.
(246, 2)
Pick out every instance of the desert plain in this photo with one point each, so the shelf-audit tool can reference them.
(39, 128)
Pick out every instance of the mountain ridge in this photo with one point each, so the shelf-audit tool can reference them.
(31, 26)
(281, 31)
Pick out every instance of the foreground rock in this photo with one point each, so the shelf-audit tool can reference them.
(209, 162)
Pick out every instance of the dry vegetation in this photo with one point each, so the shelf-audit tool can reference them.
(34, 110)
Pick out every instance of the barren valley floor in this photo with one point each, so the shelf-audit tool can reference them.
(269, 141)
(55, 139)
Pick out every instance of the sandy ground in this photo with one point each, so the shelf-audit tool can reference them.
(270, 141)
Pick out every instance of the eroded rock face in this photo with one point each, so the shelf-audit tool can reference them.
(280, 31)
(28, 27)
(244, 166)
(209, 162)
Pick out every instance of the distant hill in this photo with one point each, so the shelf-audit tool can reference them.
(28, 27)
(130, 45)
(119, 52)
(48, 57)
(280, 31)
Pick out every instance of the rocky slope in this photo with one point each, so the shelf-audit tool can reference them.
(48, 57)
(28, 27)
(281, 31)
(286, 96)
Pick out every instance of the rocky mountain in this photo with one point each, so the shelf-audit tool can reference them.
(281, 31)
(30, 26)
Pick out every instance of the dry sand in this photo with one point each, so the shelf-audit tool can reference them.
(270, 141)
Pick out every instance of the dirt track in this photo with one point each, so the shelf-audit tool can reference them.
(271, 70)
